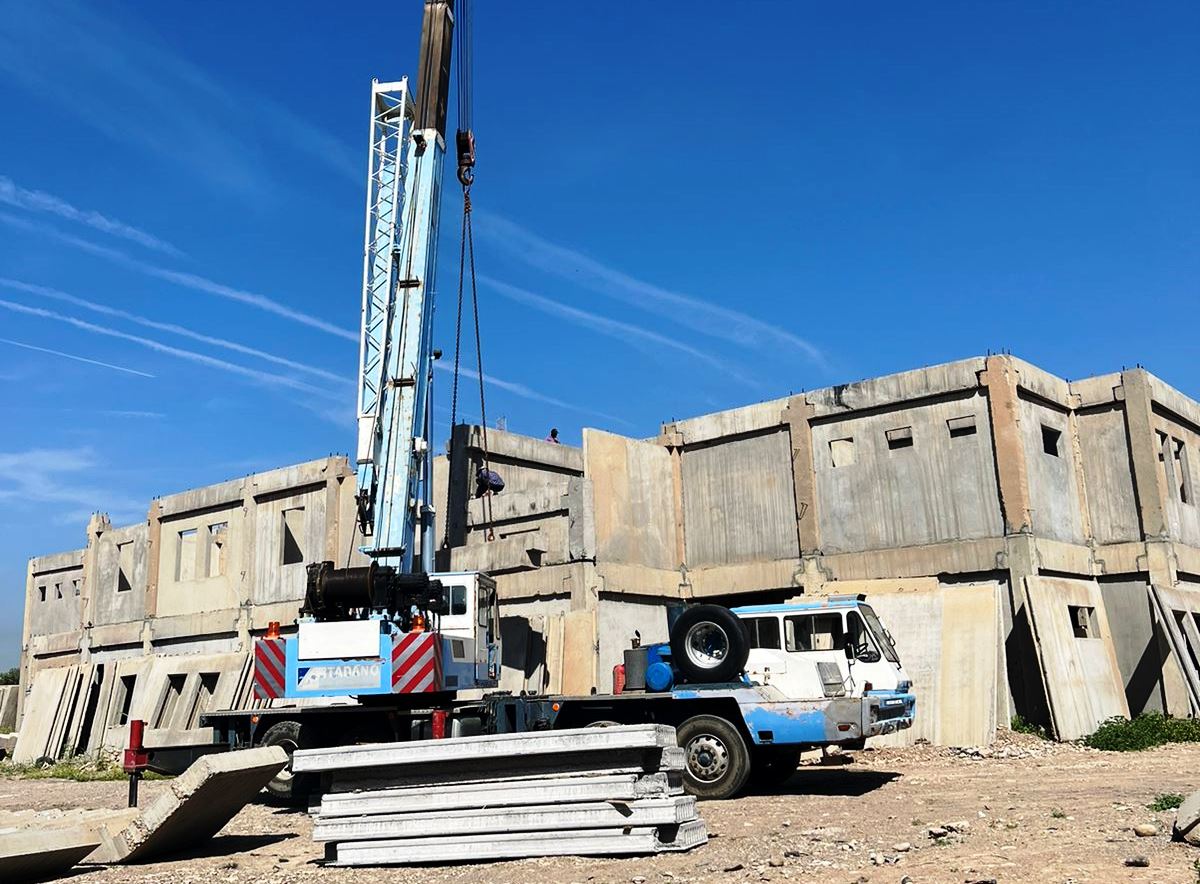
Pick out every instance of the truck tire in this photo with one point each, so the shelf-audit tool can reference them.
(287, 787)
(716, 761)
(709, 645)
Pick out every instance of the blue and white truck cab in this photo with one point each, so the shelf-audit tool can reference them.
(834, 646)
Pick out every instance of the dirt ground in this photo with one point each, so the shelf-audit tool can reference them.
(1024, 811)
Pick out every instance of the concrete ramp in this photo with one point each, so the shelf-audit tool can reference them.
(197, 806)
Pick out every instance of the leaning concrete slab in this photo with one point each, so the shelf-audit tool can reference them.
(197, 806)
(587, 842)
(36, 855)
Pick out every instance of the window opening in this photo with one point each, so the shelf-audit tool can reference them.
(961, 426)
(185, 561)
(899, 438)
(214, 549)
(125, 566)
(293, 534)
(764, 632)
(1183, 475)
(41, 593)
(841, 451)
(204, 695)
(124, 700)
(58, 590)
(170, 699)
(1083, 621)
(1050, 440)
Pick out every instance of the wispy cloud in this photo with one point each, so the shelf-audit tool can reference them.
(60, 478)
(173, 328)
(697, 314)
(526, 392)
(117, 77)
(75, 358)
(260, 377)
(624, 331)
(187, 280)
(40, 201)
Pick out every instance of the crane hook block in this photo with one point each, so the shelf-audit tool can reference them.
(465, 139)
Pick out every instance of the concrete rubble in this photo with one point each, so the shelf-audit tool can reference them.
(983, 503)
(561, 793)
(1187, 820)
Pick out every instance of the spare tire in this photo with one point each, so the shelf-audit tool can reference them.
(709, 645)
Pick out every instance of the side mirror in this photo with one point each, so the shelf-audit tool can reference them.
(849, 649)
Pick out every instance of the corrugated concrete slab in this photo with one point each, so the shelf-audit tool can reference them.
(593, 842)
(536, 818)
(502, 793)
(197, 806)
(37, 855)
(491, 747)
(9, 695)
(43, 714)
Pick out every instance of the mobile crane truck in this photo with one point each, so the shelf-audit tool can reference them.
(418, 651)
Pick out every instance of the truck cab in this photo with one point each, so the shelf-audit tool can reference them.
(830, 647)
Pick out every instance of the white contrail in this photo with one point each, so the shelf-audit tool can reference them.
(699, 315)
(57, 295)
(77, 358)
(253, 374)
(188, 280)
(518, 389)
(613, 328)
(40, 201)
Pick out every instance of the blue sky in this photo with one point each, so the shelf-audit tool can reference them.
(681, 208)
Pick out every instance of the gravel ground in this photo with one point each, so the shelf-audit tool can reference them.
(1022, 810)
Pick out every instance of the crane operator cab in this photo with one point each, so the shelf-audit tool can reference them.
(372, 631)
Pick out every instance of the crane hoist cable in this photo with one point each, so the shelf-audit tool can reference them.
(465, 142)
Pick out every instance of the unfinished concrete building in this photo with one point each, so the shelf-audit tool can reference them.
(1033, 544)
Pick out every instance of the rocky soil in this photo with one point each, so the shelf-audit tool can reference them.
(1021, 810)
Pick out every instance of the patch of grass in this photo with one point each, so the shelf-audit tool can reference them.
(1166, 801)
(1022, 726)
(1058, 814)
(1144, 732)
(81, 769)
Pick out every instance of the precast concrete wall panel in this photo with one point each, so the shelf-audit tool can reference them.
(634, 500)
(1112, 501)
(1140, 649)
(119, 592)
(1077, 654)
(906, 476)
(199, 562)
(289, 532)
(947, 638)
(738, 501)
(53, 593)
(1050, 463)
(1179, 459)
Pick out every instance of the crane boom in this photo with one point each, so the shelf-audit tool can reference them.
(408, 145)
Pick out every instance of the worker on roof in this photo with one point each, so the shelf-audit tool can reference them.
(487, 482)
(553, 437)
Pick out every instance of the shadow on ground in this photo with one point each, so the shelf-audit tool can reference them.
(227, 845)
(828, 781)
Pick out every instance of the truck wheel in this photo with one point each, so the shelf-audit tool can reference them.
(709, 644)
(287, 787)
(716, 762)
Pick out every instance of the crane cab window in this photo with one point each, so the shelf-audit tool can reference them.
(763, 632)
(814, 632)
(457, 599)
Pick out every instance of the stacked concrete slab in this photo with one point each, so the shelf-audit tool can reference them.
(594, 791)
(1074, 502)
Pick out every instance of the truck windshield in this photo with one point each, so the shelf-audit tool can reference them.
(881, 635)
